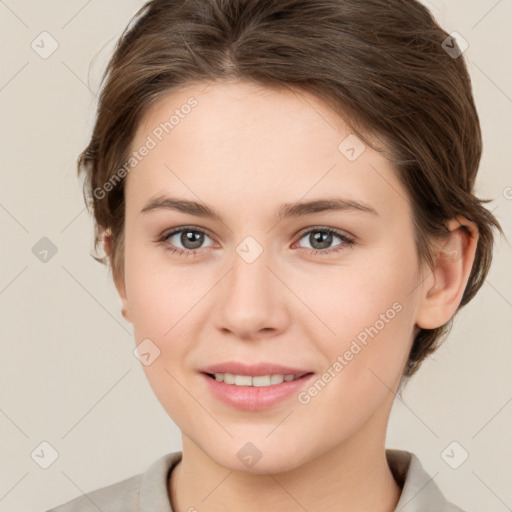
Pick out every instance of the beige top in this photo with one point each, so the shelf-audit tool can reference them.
(147, 492)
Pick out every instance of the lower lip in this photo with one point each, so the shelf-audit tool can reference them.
(251, 398)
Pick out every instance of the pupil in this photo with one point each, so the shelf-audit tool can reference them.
(323, 237)
(192, 237)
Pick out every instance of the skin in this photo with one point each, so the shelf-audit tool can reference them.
(244, 150)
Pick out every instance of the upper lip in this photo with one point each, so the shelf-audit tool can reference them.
(254, 370)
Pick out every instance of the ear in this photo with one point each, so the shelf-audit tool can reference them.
(108, 245)
(442, 291)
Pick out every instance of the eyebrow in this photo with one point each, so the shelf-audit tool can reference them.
(287, 210)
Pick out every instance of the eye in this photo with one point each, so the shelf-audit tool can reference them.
(321, 238)
(190, 238)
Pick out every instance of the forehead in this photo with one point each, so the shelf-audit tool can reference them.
(239, 142)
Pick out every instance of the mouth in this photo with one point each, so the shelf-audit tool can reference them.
(255, 392)
(255, 380)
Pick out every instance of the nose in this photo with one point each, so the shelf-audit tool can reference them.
(252, 301)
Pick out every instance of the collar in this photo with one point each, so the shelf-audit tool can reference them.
(419, 491)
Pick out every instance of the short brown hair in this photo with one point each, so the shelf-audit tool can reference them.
(380, 64)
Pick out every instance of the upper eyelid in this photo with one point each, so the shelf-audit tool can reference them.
(300, 234)
(336, 231)
(181, 229)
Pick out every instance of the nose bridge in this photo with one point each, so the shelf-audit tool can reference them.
(249, 281)
(250, 300)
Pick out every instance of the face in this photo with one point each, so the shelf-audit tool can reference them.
(330, 291)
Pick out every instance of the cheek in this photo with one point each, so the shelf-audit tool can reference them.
(159, 294)
(166, 303)
(369, 312)
(372, 320)
(161, 302)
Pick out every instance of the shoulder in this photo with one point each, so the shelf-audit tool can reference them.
(145, 491)
(107, 499)
(420, 493)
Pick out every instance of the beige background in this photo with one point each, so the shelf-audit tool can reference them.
(68, 374)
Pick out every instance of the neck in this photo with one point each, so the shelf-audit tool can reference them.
(339, 479)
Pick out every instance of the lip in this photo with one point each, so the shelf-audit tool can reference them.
(250, 398)
(255, 370)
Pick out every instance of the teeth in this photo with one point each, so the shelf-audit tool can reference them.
(247, 380)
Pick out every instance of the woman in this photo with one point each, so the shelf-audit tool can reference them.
(284, 192)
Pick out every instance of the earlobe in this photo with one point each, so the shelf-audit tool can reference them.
(453, 261)
(124, 308)
(108, 245)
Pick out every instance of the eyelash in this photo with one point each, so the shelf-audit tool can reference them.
(347, 241)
